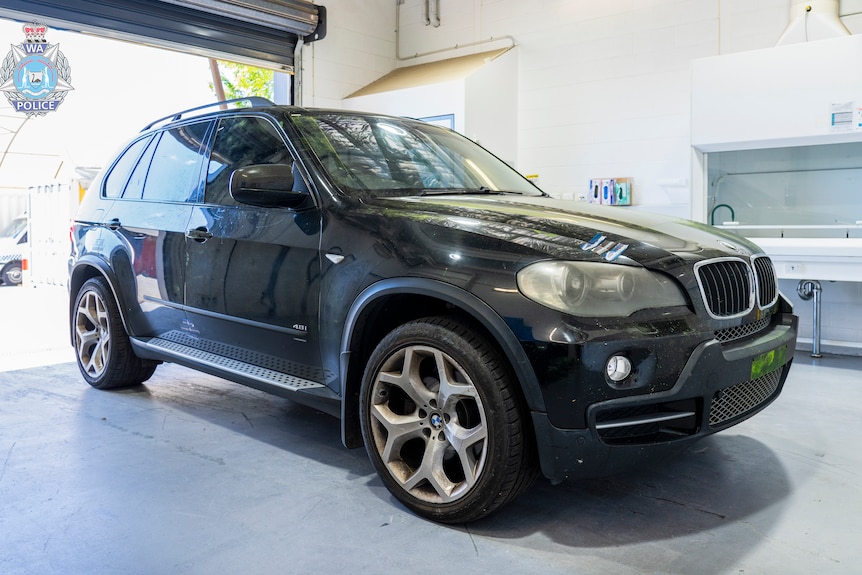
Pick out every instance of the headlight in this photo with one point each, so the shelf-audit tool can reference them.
(592, 289)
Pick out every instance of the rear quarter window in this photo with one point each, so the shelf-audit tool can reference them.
(115, 181)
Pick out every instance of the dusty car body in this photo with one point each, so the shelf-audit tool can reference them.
(466, 328)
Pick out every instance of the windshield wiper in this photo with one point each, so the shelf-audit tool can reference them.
(464, 191)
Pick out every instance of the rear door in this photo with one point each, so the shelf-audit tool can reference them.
(252, 277)
(156, 182)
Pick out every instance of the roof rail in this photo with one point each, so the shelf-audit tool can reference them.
(253, 100)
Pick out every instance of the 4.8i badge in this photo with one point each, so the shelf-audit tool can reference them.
(35, 75)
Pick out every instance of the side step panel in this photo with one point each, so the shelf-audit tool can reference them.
(164, 347)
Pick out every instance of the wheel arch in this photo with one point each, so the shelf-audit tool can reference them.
(87, 268)
(386, 304)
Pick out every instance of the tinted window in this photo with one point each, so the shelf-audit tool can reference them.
(174, 170)
(135, 187)
(116, 180)
(241, 141)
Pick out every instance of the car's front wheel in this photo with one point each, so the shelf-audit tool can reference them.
(102, 348)
(442, 422)
(12, 273)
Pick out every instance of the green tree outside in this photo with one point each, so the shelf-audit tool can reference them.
(243, 81)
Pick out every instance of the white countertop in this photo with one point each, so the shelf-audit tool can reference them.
(828, 259)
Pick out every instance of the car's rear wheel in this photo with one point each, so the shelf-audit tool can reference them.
(102, 346)
(442, 422)
(12, 274)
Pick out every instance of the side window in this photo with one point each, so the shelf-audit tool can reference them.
(116, 180)
(241, 141)
(173, 172)
(135, 187)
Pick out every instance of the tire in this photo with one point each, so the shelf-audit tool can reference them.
(442, 422)
(12, 274)
(102, 347)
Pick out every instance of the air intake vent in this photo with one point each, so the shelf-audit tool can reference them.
(742, 331)
(737, 400)
(727, 287)
(652, 423)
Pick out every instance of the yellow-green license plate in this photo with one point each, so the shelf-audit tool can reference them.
(768, 362)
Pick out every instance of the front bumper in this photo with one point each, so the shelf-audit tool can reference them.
(719, 386)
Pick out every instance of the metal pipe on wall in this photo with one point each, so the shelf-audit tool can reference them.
(427, 12)
(808, 289)
(399, 58)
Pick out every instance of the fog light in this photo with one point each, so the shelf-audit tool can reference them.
(619, 367)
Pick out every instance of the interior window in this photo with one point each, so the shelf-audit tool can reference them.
(116, 180)
(241, 141)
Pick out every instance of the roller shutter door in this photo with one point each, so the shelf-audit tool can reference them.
(263, 32)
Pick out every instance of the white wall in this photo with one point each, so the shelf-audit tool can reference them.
(491, 107)
(602, 88)
(359, 47)
(421, 102)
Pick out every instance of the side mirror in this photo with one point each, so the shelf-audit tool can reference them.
(266, 186)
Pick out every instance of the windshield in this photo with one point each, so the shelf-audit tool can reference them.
(387, 156)
(14, 227)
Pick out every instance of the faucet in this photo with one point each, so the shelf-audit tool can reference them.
(712, 213)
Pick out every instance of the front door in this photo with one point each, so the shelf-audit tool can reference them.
(252, 273)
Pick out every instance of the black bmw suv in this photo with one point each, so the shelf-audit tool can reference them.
(466, 328)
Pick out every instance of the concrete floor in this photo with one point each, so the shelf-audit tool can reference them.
(193, 474)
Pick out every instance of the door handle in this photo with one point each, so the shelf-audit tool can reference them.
(114, 224)
(199, 234)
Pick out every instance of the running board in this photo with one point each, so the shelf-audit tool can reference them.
(228, 365)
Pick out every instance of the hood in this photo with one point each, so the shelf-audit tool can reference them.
(567, 230)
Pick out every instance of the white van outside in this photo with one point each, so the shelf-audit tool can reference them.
(13, 246)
